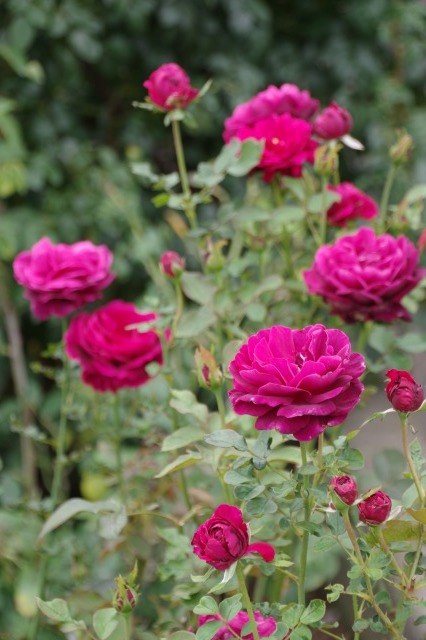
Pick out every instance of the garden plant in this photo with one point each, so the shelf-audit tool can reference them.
(221, 493)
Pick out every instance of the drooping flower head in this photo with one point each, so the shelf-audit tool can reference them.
(233, 628)
(288, 144)
(169, 87)
(375, 509)
(333, 122)
(353, 204)
(365, 277)
(403, 392)
(224, 538)
(112, 353)
(296, 381)
(60, 278)
(287, 98)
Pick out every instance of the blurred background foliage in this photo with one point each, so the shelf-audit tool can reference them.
(70, 70)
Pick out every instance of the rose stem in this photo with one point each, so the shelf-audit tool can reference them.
(381, 222)
(278, 198)
(417, 556)
(183, 174)
(118, 452)
(323, 223)
(221, 408)
(180, 303)
(409, 459)
(247, 601)
(305, 539)
(382, 615)
(385, 547)
(356, 613)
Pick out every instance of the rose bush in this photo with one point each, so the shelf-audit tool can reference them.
(365, 277)
(224, 538)
(61, 278)
(296, 381)
(113, 353)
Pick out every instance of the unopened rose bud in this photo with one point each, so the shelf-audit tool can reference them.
(334, 122)
(169, 87)
(172, 264)
(327, 159)
(213, 256)
(210, 374)
(400, 152)
(343, 489)
(375, 509)
(403, 392)
(126, 595)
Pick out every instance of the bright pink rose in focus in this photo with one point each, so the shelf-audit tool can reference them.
(169, 87)
(60, 278)
(224, 538)
(287, 98)
(333, 122)
(288, 144)
(365, 277)
(296, 381)
(265, 626)
(172, 264)
(352, 205)
(403, 392)
(375, 509)
(113, 355)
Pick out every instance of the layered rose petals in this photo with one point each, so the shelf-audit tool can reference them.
(169, 87)
(365, 277)
(296, 381)
(353, 204)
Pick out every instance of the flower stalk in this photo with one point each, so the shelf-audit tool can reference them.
(246, 600)
(301, 598)
(183, 174)
(408, 457)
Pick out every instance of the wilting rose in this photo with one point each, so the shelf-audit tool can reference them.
(403, 391)
(111, 353)
(333, 122)
(172, 264)
(345, 488)
(233, 628)
(352, 205)
(169, 87)
(60, 278)
(375, 509)
(287, 98)
(365, 277)
(296, 381)
(224, 538)
(288, 144)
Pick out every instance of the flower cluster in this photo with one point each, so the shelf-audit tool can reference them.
(233, 628)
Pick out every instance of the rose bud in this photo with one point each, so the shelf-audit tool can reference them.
(403, 391)
(172, 264)
(224, 538)
(126, 595)
(169, 87)
(375, 509)
(400, 152)
(333, 122)
(343, 489)
(327, 159)
(210, 374)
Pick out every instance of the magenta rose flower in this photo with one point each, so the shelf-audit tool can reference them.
(352, 205)
(345, 488)
(364, 276)
(403, 392)
(224, 538)
(288, 144)
(169, 87)
(287, 98)
(333, 122)
(296, 381)
(233, 628)
(112, 353)
(172, 264)
(375, 509)
(60, 278)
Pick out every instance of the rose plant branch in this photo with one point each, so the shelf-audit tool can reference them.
(305, 537)
(408, 457)
(180, 157)
(246, 599)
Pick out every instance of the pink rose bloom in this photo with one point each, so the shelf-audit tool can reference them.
(375, 509)
(169, 87)
(288, 144)
(224, 538)
(60, 278)
(287, 98)
(353, 204)
(172, 264)
(345, 487)
(333, 122)
(365, 277)
(111, 353)
(265, 626)
(296, 381)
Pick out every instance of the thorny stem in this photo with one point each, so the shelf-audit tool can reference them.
(305, 539)
(246, 600)
(180, 303)
(416, 557)
(62, 430)
(118, 451)
(389, 553)
(221, 408)
(183, 174)
(356, 613)
(372, 600)
(409, 459)
(323, 224)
